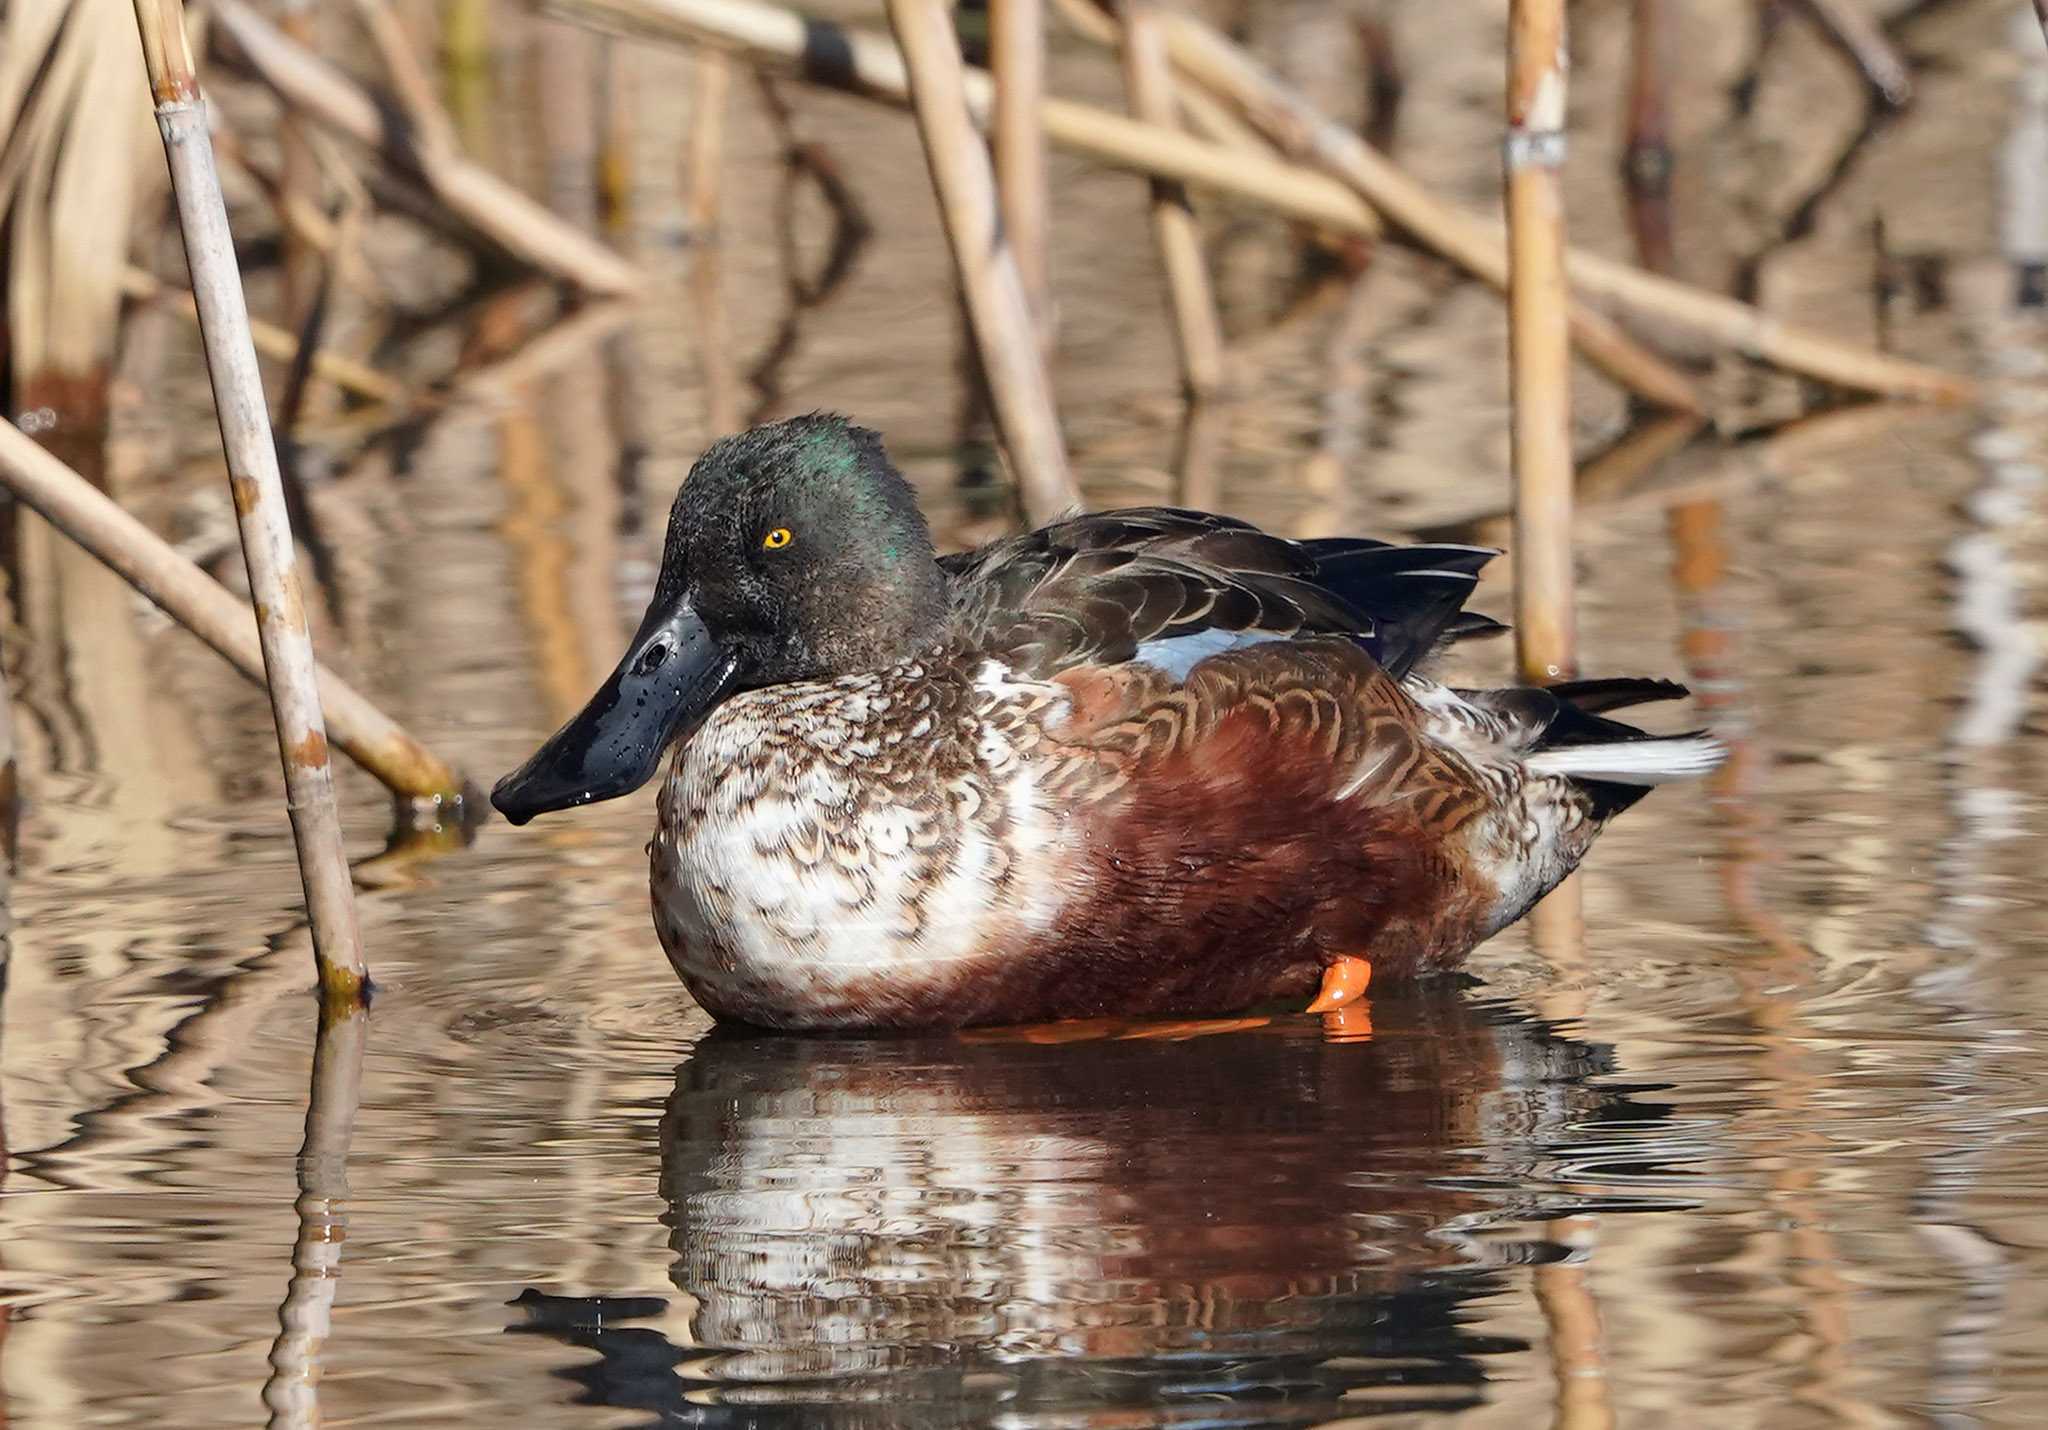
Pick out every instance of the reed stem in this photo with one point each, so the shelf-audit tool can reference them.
(198, 603)
(1293, 125)
(1017, 59)
(410, 82)
(1197, 330)
(299, 184)
(485, 202)
(1539, 341)
(267, 546)
(274, 342)
(1856, 32)
(711, 77)
(867, 64)
(996, 303)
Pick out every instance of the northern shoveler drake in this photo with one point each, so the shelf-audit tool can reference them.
(1143, 762)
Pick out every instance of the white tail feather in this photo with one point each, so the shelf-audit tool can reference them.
(1634, 762)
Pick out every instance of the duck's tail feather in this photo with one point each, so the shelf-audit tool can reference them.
(1616, 764)
(1641, 760)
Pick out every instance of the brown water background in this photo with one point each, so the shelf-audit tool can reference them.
(1770, 1148)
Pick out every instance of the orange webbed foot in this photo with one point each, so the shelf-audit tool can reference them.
(1343, 982)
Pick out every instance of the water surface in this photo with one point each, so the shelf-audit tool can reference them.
(1759, 1139)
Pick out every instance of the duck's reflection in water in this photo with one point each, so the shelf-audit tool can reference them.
(1232, 1229)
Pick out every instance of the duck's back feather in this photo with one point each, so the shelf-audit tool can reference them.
(1168, 586)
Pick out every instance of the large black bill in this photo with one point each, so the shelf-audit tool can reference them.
(672, 676)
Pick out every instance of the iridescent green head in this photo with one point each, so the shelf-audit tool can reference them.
(795, 551)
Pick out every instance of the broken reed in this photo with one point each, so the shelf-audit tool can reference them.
(258, 490)
(1148, 79)
(1017, 59)
(98, 524)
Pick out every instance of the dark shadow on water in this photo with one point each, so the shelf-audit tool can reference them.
(1260, 1227)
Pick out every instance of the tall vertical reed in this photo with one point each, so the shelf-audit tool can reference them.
(1539, 341)
(1017, 56)
(1149, 80)
(711, 83)
(996, 305)
(259, 500)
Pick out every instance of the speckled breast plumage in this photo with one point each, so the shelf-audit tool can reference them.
(854, 844)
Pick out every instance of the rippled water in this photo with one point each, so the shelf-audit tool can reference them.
(1759, 1139)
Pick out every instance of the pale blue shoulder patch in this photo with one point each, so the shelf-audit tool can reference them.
(1177, 655)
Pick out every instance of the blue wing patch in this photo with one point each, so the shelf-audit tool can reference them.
(1177, 655)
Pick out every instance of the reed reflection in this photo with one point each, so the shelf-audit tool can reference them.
(305, 1319)
(1240, 1228)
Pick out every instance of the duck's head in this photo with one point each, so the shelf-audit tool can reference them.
(795, 551)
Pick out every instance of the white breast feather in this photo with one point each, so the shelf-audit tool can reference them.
(803, 924)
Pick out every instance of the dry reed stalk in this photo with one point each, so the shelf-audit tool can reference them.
(198, 603)
(1863, 40)
(1091, 20)
(1017, 59)
(544, 354)
(1539, 342)
(267, 547)
(1735, 325)
(1646, 160)
(305, 221)
(712, 77)
(1205, 114)
(1197, 462)
(996, 303)
(1215, 121)
(274, 342)
(76, 164)
(432, 129)
(482, 200)
(306, 1316)
(1480, 246)
(299, 183)
(1299, 131)
(1197, 330)
(867, 64)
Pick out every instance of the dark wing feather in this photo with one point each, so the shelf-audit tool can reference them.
(1090, 590)
(1596, 697)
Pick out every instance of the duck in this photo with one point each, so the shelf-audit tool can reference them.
(1141, 763)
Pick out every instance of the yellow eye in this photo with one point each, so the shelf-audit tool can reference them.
(777, 539)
